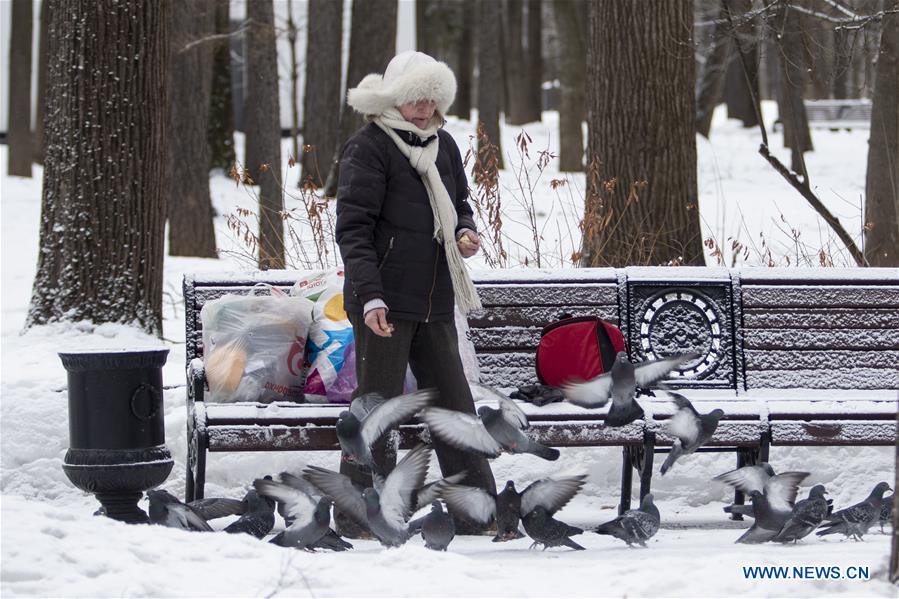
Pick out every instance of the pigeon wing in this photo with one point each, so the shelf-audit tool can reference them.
(217, 507)
(592, 394)
(513, 414)
(189, 517)
(461, 430)
(392, 412)
(551, 493)
(475, 503)
(746, 479)
(432, 491)
(297, 504)
(781, 490)
(402, 483)
(684, 425)
(651, 372)
(339, 488)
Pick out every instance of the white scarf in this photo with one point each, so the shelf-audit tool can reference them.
(424, 160)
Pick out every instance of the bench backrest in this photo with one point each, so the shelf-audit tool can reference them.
(755, 328)
(838, 110)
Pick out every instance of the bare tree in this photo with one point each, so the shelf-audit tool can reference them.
(572, 73)
(741, 85)
(372, 45)
(103, 203)
(790, 105)
(38, 138)
(640, 116)
(514, 62)
(191, 230)
(462, 105)
(294, 83)
(710, 85)
(18, 122)
(490, 71)
(533, 90)
(882, 182)
(321, 100)
(221, 107)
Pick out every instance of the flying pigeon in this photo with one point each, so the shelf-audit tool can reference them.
(307, 515)
(385, 512)
(258, 520)
(749, 478)
(691, 428)
(886, 510)
(621, 383)
(806, 516)
(168, 510)
(437, 528)
(547, 531)
(369, 417)
(507, 507)
(490, 433)
(854, 521)
(772, 506)
(634, 526)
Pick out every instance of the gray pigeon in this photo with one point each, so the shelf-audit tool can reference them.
(806, 516)
(507, 507)
(211, 508)
(547, 531)
(621, 383)
(490, 433)
(772, 507)
(168, 510)
(385, 512)
(691, 428)
(886, 511)
(369, 417)
(332, 541)
(854, 521)
(309, 517)
(749, 478)
(258, 520)
(634, 526)
(437, 528)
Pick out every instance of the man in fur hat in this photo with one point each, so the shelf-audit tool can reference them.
(404, 226)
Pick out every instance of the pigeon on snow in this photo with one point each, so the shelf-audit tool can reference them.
(750, 478)
(886, 510)
(259, 518)
(620, 384)
(691, 428)
(490, 433)
(369, 417)
(437, 528)
(168, 510)
(806, 516)
(854, 521)
(308, 517)
(772, 506)
(507, 507)
(634, 527)
(547, 531)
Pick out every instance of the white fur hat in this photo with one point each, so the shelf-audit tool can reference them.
(411, 76)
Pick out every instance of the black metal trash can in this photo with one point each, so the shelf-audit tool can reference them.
(116, 427)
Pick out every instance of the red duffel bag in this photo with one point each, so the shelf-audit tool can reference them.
(577, 349)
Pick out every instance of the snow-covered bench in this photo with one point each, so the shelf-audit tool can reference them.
(838, 114)
(793, 356)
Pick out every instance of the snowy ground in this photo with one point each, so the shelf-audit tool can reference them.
(52, 546)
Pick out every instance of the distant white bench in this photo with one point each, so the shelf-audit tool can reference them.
(793, 357)
(838, 114)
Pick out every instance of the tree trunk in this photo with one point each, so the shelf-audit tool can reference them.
(818, 54)
(18, 123)
(842, 64)
(263, 130)
(533, 92)
(221, 107)
(191, 230)
(38, 138)
(790, 105)
(572, 72)
(462, 105)
(641, 121)
(321, 100)
(882, 184)
(741, 87)
(372, 45)
(103, 203)
(424, 11)
(711, 83)
(490, 71)
(514, 62)
(294, 83)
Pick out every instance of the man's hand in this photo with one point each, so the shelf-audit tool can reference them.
(376, 320)
(469, 244)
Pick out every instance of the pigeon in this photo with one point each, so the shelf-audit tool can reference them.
(507, 507)
(634, 526)
(259, 518)
(854, 521)
(886, 510)
(749, 478)
(168, 510)
(807, 515)
(437, 528)
(489, 433)
(620, 384)
(332, 541)
(691, 428)
(772, 507)
(308, 516)
(385, 512)
(211, 508)
(547, 531)
(369, 417)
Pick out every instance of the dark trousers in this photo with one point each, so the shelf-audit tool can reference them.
(431, 350)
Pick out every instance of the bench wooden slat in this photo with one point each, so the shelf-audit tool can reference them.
(830, 432)
(821, 318)
(573, 294)
(820, 296)
(776, 359)
(811, 339)
(840, 378)
(536, 316)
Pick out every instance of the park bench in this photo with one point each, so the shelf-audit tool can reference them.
(838, 114)
(793, 357)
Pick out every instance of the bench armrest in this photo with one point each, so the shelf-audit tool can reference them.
(196, 380)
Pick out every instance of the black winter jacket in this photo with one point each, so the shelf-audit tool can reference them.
(385, 226)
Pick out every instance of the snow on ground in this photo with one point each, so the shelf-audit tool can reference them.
(52, 546)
